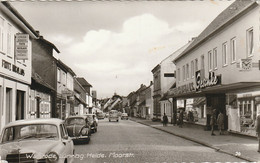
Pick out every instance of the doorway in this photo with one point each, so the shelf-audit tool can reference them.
(8, 105)
(19, 105)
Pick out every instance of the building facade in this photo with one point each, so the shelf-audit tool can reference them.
(220, 68)
(16, 36)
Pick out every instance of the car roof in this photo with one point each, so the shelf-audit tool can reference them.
(54, 121)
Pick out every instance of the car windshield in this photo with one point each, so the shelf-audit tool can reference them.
(32, 131)
(75, 121)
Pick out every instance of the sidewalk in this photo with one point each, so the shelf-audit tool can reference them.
(239, 146)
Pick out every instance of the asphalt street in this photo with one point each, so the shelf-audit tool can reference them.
(128, 141)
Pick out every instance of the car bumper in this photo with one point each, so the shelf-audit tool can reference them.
(80, 138)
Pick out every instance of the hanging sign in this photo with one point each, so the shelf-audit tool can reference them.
(21, 46)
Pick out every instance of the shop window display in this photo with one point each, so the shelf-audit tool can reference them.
(247, 111)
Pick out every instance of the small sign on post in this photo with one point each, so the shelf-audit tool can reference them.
(21, 46)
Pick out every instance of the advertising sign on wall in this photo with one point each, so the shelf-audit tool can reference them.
(21, 46)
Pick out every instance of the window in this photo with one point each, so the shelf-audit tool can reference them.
(250, 42)
(187, 71)
(233, 50)
(179, 74)
(9, 40)
(196, 65)
(58, 75)
(183, 73)
(215, 58)
(210, 60)
(224, 52)
(192, 69)
(1, 34)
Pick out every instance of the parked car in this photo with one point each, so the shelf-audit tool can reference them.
(100, 115)
(78, 128)
(36, 140)
(124, 116)
(113, 115)
(93, 122)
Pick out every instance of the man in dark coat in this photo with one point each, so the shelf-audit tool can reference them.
(213, 121)
(165, 120)
(181, 118)
(258, 131)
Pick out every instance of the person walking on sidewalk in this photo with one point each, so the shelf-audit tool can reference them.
(181, 118)
(165, 120)
(220, 122)
(258, 131)
(213, 121)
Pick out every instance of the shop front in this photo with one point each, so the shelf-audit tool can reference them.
(243, 109)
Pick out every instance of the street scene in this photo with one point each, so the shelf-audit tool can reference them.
(129, 81)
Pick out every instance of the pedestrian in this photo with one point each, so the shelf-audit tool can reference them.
(258, 131)
(165, 120)
(181, 118)
(213, 121)
(220, 122)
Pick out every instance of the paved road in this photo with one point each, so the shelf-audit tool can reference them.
(127, 141)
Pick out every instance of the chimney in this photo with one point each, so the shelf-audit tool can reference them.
(151, 82)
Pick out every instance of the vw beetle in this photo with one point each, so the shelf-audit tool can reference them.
(78, 128)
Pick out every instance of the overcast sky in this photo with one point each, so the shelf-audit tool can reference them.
(114, 45)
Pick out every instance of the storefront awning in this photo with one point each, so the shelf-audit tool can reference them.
(218, 89)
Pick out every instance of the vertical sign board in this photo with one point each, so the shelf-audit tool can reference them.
(21, 48)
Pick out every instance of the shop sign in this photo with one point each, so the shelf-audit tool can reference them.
(186, 88)
(206, 82)
(67, 92)
(12, 67)
(21, 46)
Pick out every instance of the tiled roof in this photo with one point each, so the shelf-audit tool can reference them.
(222, 20)
(38, 79)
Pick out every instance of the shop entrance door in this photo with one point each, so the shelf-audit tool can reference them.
(218, 102)
(19, 105)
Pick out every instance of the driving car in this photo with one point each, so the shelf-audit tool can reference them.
(100, 115)
(113, 115)
(78, 128)
(93, 122)
(36, 140)
(124, 116)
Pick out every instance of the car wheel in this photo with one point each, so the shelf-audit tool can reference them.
(109, 120)
(117, 120)
(65, 161)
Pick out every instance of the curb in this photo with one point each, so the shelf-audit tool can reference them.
(197, 141)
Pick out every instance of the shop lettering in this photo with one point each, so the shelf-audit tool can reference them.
(203, 83)
(185, 88)
(13, 68)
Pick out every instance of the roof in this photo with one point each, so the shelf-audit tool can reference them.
(67, 68)
(156, 68)
(49, 43)
(38, 79)
(54, 121)
(229, 15)
(19, 16)
(83, 81)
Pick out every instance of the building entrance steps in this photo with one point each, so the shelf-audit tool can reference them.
(232, 144)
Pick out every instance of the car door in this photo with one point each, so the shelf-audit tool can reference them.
(69, 146)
